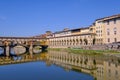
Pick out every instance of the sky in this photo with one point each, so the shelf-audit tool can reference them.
(35, 17)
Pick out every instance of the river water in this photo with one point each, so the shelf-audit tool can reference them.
(56, 65)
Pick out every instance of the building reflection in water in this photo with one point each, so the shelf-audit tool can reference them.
(99, 66)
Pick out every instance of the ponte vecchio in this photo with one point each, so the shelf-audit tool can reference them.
(27, 42)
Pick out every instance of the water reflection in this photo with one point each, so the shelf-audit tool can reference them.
(19, 50)
(101, 67)
(1, 50)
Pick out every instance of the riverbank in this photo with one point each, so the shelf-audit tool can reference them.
(83, 51)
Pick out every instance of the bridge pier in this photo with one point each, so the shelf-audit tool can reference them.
(31, 54)
(7, 49)
(31, 48)
(7, 52)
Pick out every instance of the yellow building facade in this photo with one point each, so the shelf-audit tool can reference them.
(103, 31)
(76, 38)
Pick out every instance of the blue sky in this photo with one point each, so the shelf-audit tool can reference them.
(33, 17)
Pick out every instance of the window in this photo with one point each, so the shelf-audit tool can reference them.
(109, 71)
(116, 65)
(108, 31)
(114, 21)
(108, 39)
(115, 31)
(107, 22)
(116, 72)
(109, 64)
(115, 39)
(101, 39)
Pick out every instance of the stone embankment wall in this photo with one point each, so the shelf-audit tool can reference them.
(104, 47)
(112, 46)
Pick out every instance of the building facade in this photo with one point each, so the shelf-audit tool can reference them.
(110, 29)
(72, 38)
(103, 31)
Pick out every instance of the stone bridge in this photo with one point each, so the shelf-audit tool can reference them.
(27, 42)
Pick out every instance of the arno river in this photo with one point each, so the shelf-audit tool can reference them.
(56, 65)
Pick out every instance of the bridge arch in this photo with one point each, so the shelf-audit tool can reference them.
(16, 45)
(37, 49)
(19, 49)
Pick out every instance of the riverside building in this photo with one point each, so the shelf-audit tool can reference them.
(103, 31)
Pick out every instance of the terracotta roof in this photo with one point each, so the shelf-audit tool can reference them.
(109, 17)
(71, 30)
(75, 35)
(40, 36)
